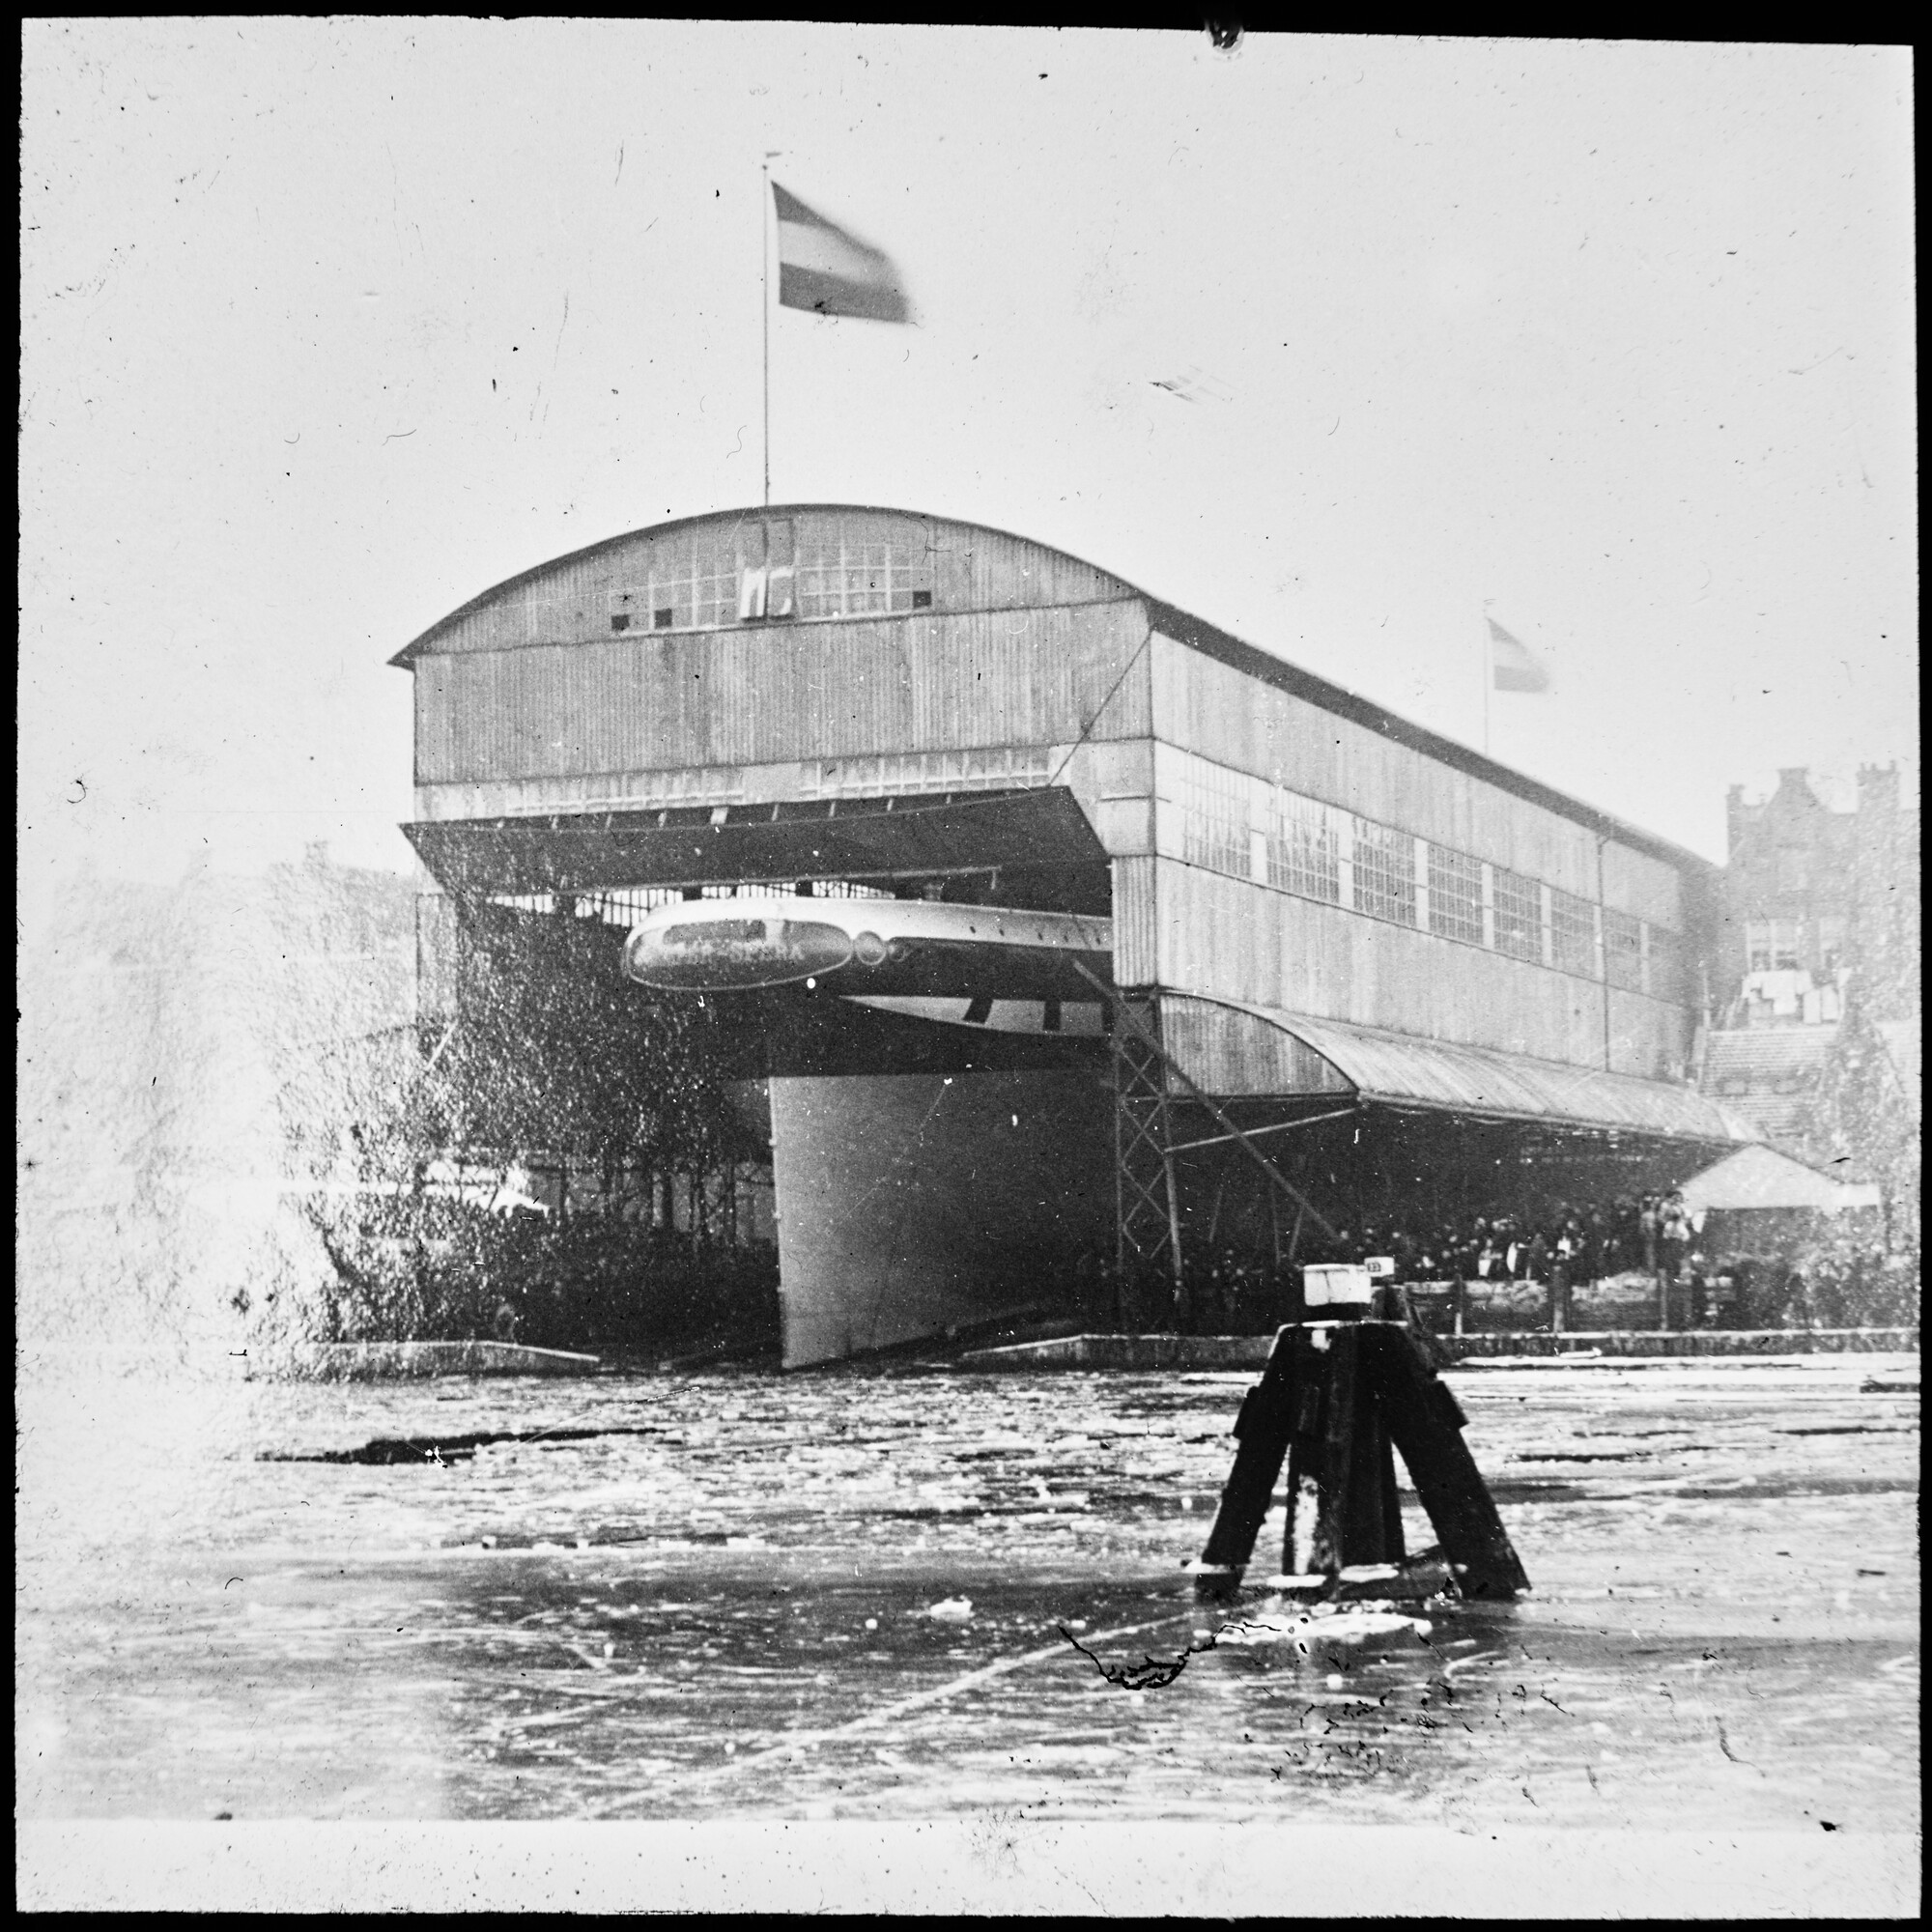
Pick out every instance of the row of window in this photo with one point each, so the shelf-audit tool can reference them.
(834, 578)
(996, 768)
(894, 775)
(1799, 1081)
(627, 907)
(1250, 830)
(1777, 945)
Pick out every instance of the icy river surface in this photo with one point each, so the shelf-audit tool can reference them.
(914, 1594)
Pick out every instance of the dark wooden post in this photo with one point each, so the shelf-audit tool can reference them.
(1361, 1521)
(1304, 1491)
(1426, 1422)
(1262, 1429)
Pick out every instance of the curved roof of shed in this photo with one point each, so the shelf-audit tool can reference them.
(483, 599)
(1195, 633)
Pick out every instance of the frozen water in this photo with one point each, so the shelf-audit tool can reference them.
(1723, 1626)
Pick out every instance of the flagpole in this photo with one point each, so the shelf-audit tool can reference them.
(1488, 679)
(765, 253)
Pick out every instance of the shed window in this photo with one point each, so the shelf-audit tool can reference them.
(1573, 934)
(1213, 817)
(839, 579)
(764, 570)
(1518, 908)
(1456, 895)
(1303, 850)
(1384, 872)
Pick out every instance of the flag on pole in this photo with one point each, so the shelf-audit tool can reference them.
(830, 273)
(1511, 665)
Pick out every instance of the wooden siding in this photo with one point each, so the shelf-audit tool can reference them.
(1644, 885)
(1228, 939)
(771, 692)
(907, 774)
(569, 601)
(988, 570)
(1228, 1052)
(1136, 924)
(1218, 713)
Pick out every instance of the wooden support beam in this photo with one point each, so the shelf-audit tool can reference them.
(1425, 1424)
(1261, 1430)
(1357, 1523)
(1255, 1133)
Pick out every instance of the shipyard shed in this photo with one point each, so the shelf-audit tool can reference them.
(1319, 908)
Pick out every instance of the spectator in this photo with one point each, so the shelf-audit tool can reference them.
(1515, 1251)
(1490, 1259)
(1564, 1248)
(1649, 1227)
(1703, 1294)
(1673, 1237)
(1536, 1257)
(1593, 1250)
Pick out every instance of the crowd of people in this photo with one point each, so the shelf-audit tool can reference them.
(1572, 1244)
(1569, 1247)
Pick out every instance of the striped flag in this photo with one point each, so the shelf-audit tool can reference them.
(1513, 666)
(828, 271)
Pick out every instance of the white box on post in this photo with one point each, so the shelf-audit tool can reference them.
(1336, 1285)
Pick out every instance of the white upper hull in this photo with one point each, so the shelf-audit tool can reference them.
(898, 951)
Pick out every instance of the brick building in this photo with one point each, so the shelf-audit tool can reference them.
(1820, 912)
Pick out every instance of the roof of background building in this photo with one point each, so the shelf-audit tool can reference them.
(1768, 1074)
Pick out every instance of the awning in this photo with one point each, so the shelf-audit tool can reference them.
(1762, 1177)
(1402, 1070)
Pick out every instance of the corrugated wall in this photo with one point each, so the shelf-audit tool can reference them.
(1229, 1053)
(987, 570)
(1136, 921)
(1222, 937)
(1248, 727)
(766, 693)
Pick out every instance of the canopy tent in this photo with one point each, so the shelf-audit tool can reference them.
(1760, 1177)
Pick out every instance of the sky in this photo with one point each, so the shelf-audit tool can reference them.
(329, 324)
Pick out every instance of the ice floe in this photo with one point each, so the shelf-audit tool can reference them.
(1324, 1624)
